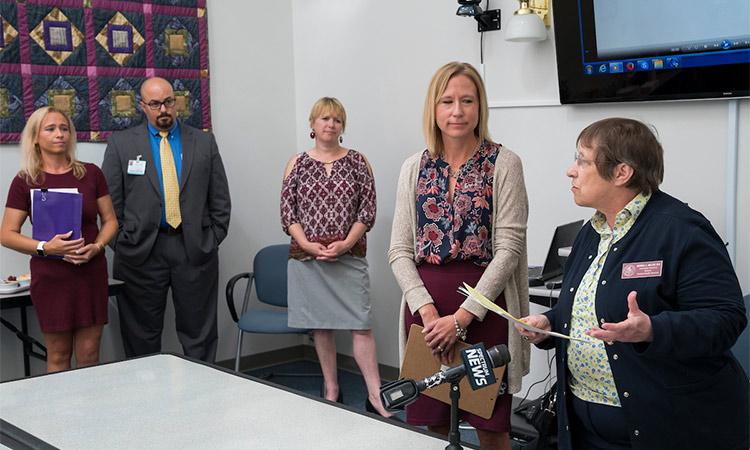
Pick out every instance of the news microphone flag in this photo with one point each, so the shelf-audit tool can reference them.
(478, 366)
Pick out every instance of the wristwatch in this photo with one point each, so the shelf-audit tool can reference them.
(40, 248)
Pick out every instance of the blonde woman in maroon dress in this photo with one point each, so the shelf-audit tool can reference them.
(68, 276)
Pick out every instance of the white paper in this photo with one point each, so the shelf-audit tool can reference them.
(65, 190)
(470, 292)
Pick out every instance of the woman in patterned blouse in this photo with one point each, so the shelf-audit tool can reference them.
(460, 217)
(327, 206)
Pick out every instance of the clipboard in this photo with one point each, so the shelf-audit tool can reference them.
(419, 363)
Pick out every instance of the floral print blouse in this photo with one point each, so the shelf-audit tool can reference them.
(327, 206)
(459, 229)
(591, 376)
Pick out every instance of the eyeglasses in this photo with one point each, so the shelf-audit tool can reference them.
(155, 104)
(580, 161)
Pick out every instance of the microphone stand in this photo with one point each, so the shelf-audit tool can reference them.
(397, 394)
(454, 435)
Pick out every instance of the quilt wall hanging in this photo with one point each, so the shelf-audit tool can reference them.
(89, 58)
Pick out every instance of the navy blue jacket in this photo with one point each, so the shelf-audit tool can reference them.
(684, 390)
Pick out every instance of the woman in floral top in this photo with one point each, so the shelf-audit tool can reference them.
(460, 217)
(327, 206)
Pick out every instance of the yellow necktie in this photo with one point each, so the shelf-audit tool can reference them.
(171, 187)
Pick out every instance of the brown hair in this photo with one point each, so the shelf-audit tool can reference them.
(432, 134)
(32, 166)
(619, 140)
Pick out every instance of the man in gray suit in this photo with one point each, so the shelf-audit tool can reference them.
(171, 197)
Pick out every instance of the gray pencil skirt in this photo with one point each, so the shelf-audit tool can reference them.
(329, 295)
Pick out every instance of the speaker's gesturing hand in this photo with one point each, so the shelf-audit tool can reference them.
(636, 328)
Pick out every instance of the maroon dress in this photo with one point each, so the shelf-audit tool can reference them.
(442, 283)
(67, 296)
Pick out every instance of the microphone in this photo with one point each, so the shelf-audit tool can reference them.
(477, 364)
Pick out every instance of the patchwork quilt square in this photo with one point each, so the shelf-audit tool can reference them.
(90, 57)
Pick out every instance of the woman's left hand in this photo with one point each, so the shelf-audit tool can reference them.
(83, 254)
(636, 328)
(440, 336)
(334, 250)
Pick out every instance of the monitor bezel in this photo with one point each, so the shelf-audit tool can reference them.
(708, 82)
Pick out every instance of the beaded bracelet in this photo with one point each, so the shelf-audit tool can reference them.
(460, 332)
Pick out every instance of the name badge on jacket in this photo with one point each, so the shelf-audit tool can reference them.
(644, 269)
(136, 166)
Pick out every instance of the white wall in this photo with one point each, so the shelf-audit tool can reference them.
(378, 57)
(268, 65)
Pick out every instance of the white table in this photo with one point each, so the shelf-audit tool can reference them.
(543, 296)
(167, 401)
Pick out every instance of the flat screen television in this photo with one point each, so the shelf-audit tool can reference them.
(640, 50)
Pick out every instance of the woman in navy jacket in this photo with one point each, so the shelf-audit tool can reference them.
(652, 295)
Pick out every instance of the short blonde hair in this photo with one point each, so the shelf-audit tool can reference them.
(432, 134)
(32, 166)
(328, 105)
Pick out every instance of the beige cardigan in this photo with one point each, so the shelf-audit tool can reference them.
(507, 272)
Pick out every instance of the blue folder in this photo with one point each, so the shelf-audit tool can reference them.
(55, 213)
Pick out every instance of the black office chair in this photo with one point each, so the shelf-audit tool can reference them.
(269, 275)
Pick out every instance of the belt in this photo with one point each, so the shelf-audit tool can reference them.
(171, 231)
